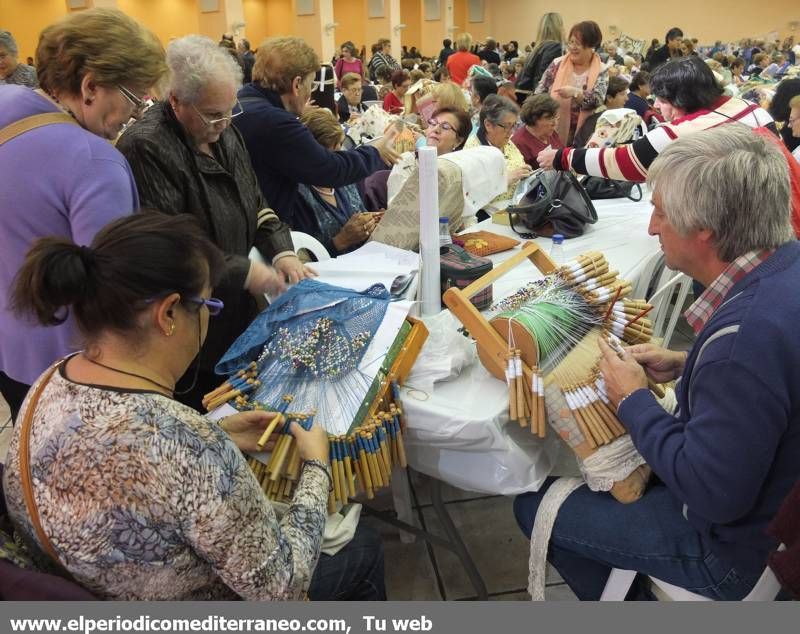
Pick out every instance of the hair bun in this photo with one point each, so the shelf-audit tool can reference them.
(87, 256)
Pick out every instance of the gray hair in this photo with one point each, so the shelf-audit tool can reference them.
(730, 180)
(195, 62)
(8, 42)
(495, 107)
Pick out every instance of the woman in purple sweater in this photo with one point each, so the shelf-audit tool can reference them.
(64, 178)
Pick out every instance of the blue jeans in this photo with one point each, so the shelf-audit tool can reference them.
(594, 533)
(355, 573)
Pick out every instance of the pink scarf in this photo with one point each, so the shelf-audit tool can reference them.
(563, 78)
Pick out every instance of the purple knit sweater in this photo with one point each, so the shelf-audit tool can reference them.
(55, 180)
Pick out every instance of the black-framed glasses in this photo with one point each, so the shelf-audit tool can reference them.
(213, 304)
(137, 103)
(442, 124)
(235, 112)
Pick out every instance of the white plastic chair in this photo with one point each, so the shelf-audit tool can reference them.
(670, 285)
(309, 243)
(619, 582)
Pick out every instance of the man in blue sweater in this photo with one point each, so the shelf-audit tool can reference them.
(728, 455)
(282, 150)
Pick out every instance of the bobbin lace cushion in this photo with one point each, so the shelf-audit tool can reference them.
(143, 498)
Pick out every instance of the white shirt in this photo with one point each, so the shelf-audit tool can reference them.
(796, 153)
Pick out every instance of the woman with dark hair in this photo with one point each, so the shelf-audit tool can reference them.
(578, 80)
(685, 86)
(779, 109)
(393, 102)
(140, 497)
(447, 131)
(539, 113)
(348, 62)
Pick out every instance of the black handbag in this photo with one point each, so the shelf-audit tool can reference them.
(602, 188)
(555, 203)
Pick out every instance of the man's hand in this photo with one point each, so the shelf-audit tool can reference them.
(659, 364)
(545, 158)
(264, 279)
(622, 376)
(292, 270)
(245, 428)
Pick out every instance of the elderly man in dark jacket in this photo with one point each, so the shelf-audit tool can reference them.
(186, 158)
(283, 151)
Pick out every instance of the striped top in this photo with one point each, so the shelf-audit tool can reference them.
(631, 162)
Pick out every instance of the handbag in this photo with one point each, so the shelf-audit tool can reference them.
(25, 476)
(460, 268)
(603, 188)
(555, 203)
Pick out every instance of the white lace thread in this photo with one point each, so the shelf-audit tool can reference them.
(542, 529)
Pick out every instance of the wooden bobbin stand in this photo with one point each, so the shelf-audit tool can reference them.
(491, 339)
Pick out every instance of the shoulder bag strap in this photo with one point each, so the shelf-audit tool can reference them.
(26, 479)
(31, 123)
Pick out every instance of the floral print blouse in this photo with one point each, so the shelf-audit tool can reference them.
(144, 498)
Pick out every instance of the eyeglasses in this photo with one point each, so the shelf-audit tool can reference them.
(575, 44)
(137, 103)
(505, 126)
(213, 304)
(235, 112)
(442, 124)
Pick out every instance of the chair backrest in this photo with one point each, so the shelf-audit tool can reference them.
(666, 312)
(311, 244)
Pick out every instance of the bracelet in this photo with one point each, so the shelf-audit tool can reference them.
(325, 469)
(622, 400)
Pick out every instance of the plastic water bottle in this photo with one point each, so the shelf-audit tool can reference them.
(557, 249)
(444, 232)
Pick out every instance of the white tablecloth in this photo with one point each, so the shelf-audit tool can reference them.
(460, 433)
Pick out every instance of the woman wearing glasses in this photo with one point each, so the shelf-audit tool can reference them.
(577, 80)
(186, 157)
(447, 131)
(497, 122)
(60, 175)
(141, 497)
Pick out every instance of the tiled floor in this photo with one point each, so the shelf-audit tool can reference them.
(419, 571)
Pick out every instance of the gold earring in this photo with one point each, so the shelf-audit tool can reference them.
(171, 330)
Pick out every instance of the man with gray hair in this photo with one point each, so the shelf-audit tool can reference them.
(11, 70)
(187, 158)
(727, 456)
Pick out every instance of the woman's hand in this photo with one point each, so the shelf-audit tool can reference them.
(659, 364)
(245, 428)
(546, 157)
(312, 444)
(356, 230)
(622, 376)
(293, 270)
(517, 174)
(264, 279)
(568, 92)
(385, 145)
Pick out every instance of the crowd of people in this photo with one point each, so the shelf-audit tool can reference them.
(125, 274)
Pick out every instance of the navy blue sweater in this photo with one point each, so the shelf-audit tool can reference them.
(732, 452)
(284, 153)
